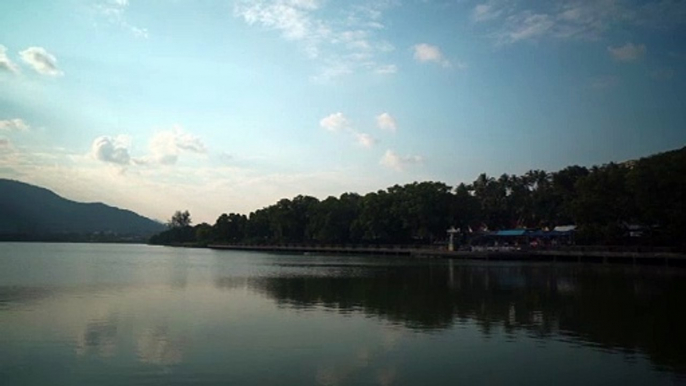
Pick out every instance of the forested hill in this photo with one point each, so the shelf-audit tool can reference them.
(29, 212)
(639, 202)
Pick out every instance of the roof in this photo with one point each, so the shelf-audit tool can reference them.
(511, 232)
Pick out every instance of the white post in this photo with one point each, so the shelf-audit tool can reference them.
(451, 242)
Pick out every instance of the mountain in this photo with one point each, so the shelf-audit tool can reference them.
(30, 212)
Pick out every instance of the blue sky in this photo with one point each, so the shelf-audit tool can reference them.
(227, 106)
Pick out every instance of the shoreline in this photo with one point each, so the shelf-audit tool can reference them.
(591, 255)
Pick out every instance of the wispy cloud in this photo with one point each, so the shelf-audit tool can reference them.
(604, 82)
(290, 17)
(15, 124)
(628, 53)
(41, 61)
(484, 12)
(509, 21)
(338, 122)
(342, 41)
(399, 163)
(386, 69)
(6, 64)
(114, 12)
(528, 25)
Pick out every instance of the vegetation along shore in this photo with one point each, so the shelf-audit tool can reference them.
(633, 207)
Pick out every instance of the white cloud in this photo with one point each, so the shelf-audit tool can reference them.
(365, 140)
(427, 53)
(343, 42)
(13, 124)
(335, 122)
(386, 122)
(167, 146)
(41, 61)
(112, 150)
(628, 53)
(392, 160)
(190, 143)
(6, 65)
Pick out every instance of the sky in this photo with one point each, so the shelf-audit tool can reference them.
(219, 106)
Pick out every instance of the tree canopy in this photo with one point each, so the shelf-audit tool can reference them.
(603, 201)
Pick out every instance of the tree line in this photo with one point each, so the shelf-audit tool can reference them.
(605, 202)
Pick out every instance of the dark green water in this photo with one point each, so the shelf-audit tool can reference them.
(80, 314)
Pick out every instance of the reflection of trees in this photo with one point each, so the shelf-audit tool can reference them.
(10, 295)
(629, 311)
(155, 345)
(392, 296)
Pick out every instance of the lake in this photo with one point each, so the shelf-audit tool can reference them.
(96, 314)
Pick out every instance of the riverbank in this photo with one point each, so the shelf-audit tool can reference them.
(571, 254)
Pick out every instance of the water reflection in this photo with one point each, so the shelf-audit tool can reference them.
(627, 310)
(99, 338)
(156, 346)
(163, 316)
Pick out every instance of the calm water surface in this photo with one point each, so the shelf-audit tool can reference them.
(86, 314)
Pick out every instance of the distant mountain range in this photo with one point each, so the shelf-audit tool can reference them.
(30, 212)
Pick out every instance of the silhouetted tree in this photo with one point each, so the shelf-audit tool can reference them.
(180, 219)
